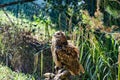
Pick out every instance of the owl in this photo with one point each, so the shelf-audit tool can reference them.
(65, 54)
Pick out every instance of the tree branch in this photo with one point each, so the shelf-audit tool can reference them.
(15, 2)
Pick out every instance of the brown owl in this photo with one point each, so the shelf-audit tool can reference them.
(65, 54)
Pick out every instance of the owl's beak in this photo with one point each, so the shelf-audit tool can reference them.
(54, 35)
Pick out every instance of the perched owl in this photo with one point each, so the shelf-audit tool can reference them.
(65, 54)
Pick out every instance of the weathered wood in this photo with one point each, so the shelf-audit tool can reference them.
(60, 75)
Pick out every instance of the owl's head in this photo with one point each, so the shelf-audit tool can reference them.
(59, 34)
(60, 37)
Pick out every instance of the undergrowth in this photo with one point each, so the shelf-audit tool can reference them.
(7, 74)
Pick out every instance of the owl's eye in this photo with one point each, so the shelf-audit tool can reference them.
(58, 33)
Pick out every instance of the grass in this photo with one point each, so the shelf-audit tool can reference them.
(98, 56)
(98, 50)
(119, 63)
(7, 74)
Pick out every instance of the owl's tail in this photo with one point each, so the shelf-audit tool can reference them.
(76, 69)
(81, 69)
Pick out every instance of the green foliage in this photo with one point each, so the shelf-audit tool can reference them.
(114, 13)
(64, 14)
(119, 72)
(98, 56)
(16, 50)
(98, 50)
(119, 63)
(7, 74)
(113, 8)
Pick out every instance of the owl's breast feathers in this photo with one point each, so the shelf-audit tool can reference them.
(68, 55)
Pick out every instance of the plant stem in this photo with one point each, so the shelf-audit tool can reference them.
(119, 63)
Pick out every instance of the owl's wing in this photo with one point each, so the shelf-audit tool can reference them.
(69, 57)
(55, 56)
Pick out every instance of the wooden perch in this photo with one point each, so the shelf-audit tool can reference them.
(15, 2)
(60, 75)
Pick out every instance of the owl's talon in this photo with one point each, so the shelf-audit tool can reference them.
(56, 69)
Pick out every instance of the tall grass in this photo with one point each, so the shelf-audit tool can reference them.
(98, 50)
(98, 55)
(41, 73)
(119, 64)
